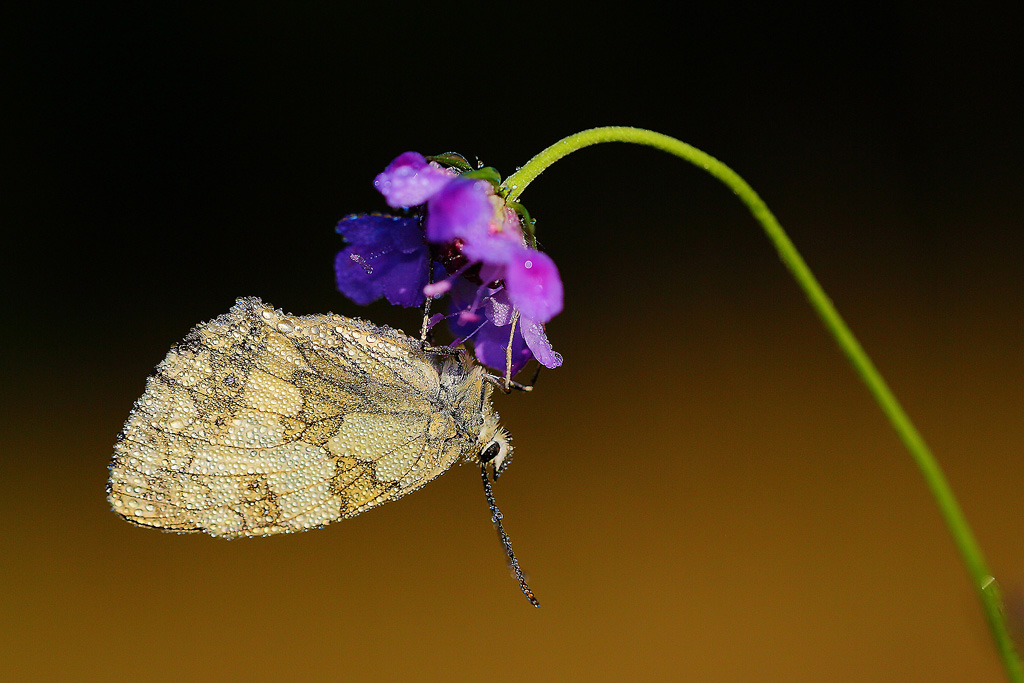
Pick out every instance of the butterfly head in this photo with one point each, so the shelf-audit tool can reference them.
(495, 446)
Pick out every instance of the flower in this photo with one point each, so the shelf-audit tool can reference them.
(489, 232)
(461, 224)
(490, 333)
(468, 210)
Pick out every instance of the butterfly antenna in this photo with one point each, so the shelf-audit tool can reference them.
(505, 540)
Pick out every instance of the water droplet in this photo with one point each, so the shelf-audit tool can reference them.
(286, 326)
(359, 259)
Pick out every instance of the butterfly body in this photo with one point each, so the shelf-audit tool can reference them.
(260, 423)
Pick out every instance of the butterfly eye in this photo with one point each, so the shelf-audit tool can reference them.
(491, 452)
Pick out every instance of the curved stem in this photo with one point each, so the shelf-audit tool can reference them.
(970, 552)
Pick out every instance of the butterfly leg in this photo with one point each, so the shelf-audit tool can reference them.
(507, 385)
(425, 328)
(451, 351)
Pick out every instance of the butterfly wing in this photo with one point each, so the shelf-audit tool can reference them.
(259, 423)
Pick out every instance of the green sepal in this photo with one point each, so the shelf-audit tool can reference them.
(488, 173)
(524, 220)
(452, 160)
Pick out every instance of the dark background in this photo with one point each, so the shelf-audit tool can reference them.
(704, 491)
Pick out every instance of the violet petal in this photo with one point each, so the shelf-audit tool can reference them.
(410, 180)
(533, 283)
(489, 346)
(385, 257)
(461, 210)
(499, 309)
(537, 339)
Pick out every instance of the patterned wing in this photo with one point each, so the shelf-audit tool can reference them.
(260, 423)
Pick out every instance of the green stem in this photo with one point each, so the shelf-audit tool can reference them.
(984, 583)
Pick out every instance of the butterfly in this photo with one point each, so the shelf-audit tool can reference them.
(260, 422)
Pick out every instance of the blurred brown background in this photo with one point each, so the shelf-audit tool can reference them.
(703, 492)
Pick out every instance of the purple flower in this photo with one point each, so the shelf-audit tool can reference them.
(385, 257)
(490, 332)
(489, 232)
(475, 239)
(473, 319)
(410, 180)
(468, 210)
